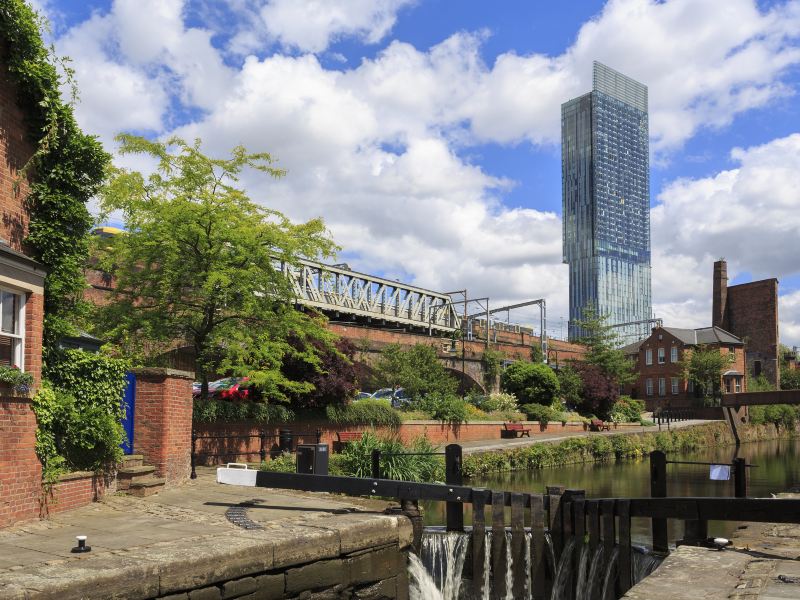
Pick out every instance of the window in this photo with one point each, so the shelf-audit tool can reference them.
(690, 386)
(673, 354)
(756, 368)
(662, 386)
(648, 356)
(737, 382)
(728, 385)
(674, 384)
(12, 329)
(649, 387)
(661, 356)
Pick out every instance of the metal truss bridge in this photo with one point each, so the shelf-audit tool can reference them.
(337, 289)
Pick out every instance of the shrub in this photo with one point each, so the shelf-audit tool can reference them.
(780, 415)
(369, 411)
(499, 402)
(443, 407)
(627, 410)
(226, 411)
(356, 459)
(530, 383)
(599, 390)
(541, 413)
(570, 386)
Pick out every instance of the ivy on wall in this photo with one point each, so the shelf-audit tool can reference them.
(66, 169)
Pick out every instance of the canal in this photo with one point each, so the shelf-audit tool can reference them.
(777, 470)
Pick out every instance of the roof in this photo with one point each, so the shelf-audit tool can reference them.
(703, 335)
(632, 348)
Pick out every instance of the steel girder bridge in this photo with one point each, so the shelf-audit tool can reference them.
(337, 289)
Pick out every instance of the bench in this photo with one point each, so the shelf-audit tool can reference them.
(346, 437)
(598, 425)
(514, 430)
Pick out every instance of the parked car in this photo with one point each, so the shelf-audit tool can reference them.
(237, 389)
(362, 395)
(213, 386)
(398, 397)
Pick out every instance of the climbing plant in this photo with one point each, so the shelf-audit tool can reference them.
(65, 169)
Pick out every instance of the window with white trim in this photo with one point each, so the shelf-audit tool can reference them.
(675, 383)
(661, 356)
(12, 328)
(662, 386)
(673, 354)
(648, 356)
(648, 384)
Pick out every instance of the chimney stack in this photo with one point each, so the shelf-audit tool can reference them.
(720, 297)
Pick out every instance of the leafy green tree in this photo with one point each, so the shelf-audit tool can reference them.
(530, 382)
(537, 355)
(417, 370)
(570, 385)
(602, 344)
(201, 265)
(705, 366)
(491, 367)
(790, 378)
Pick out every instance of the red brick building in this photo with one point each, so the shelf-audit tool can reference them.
(658, 358)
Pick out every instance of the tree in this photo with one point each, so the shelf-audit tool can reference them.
(417, 370)
(790, 378)
(530, 382)
(570, 384)
(200, 265)
(704, 367)
(537, 355)
(334, 380)
(602, 350)
(599, 391)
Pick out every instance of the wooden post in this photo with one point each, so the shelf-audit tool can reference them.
(499, 563)
(479, 498)
(593, 517)
(609, 531)
(453, 476)
(658, 489)
(740, 477)
(556, 533)
(625, 562)
(376, 464)
(538, 561)
(518, 544)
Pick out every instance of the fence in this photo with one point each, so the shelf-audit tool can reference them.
(561, 520)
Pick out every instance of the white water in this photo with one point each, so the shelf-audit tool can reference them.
(420, 584)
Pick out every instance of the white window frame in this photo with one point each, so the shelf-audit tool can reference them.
(662, 356)
(673, 354)
(737, 385)
(18, 337)
(662, 386)
(648, 386)
(675, 385)
(648, 356)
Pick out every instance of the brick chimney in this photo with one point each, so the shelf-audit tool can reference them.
(720, 297)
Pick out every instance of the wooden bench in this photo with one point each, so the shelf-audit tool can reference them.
(598, 425)
(514, 430)
(346, 437)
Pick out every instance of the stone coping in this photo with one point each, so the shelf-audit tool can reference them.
(74, 475)
(175, 566)
(160, 372)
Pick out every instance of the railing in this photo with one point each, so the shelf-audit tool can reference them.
(559, 519)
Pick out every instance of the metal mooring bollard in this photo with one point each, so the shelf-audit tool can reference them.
(81, 547)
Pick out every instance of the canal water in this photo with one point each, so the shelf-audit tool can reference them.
(777, 470)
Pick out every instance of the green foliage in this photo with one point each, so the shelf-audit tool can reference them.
(369, 411)
(570, 385)
(225, 411)
(417, 370)
(705, 366)
(781, 415)
(540, 412)
(760, 384)
(531, 383)
(67, 168)
(94, 379)
(356, 459)
(602, 342)
(790, 378)
(627, 410)
(491, 359)
(536, 354)
(447, 408)
(200, 257)
(19, 380)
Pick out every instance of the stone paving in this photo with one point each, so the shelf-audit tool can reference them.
(182, 522)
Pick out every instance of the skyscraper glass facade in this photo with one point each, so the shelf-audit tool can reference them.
(606, 202)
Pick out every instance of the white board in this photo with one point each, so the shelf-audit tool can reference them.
(237, 476)
(720, 472)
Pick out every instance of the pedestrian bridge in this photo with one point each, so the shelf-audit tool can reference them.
(339, 290)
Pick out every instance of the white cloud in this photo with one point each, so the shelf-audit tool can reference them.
(789, 310)
(748, 215)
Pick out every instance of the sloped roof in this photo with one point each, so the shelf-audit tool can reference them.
(632, 348)
(703, 335)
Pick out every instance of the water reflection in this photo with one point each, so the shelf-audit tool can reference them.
(778, 470)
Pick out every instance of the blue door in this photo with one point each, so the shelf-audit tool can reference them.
(128, 400)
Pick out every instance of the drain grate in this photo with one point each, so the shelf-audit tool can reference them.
(238, 515)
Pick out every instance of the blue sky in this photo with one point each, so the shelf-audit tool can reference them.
(426, 133)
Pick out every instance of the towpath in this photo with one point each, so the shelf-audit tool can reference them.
(507, 444)
(152, 547)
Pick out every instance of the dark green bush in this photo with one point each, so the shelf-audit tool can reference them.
(226, 411)
(530, 383)
(369, 411)
(627, 410)
(539, 412)
(443, 407)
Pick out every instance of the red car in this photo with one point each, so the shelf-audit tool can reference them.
(234, 388)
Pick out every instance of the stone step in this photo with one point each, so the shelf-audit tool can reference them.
(132, 460)
(128, 475)
(146, 487)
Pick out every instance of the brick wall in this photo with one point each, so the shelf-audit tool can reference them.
(20, 469)
(75, 490)
(163, 421)
(752, 314)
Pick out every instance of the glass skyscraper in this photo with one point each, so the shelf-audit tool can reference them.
(605, 190)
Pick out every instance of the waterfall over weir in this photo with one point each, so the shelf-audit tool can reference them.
(443, 570)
